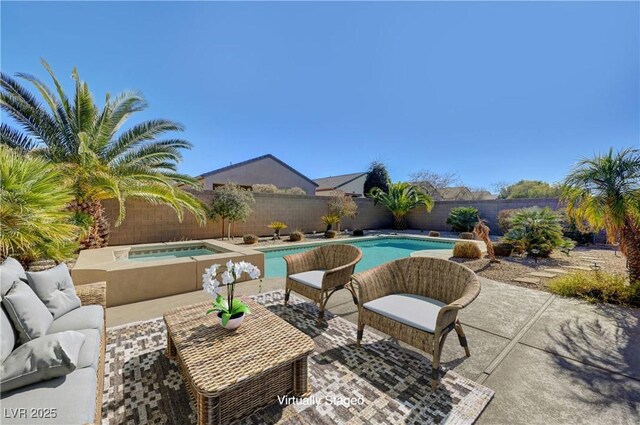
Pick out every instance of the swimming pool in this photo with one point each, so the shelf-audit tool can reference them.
(374, 252)
(171, 252)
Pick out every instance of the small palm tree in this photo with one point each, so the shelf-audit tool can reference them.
(35, 222)
(400, 198)
(89, 145)
(604, 192)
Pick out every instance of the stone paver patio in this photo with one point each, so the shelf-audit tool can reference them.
(550, 360)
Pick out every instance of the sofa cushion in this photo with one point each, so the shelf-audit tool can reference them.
(413, 310)
(72, 396)
(90, 352)
(85, 317)
(8, 335)
(10, 271)
(41, 359)
(28, 314)
(55, 288)
(311, 278)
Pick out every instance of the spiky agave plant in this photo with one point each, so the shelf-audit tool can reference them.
(35, 222)
(400, 198)
(89, 145)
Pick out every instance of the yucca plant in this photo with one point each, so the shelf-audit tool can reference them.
(35, 222)
(604, 192)
(89, 145)
(400, 198)
(536, 231)
(329, 220)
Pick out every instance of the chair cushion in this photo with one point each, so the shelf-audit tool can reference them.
(90, 351)
(311, 278)
(41, 359)
(10, 271)
(8, 335)
(413, 310)
(28, 314)
(85, 317)
(55, 288)
(73, 396)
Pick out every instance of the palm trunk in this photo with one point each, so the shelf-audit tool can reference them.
(97, 235)
(399, 222)
(631, 240)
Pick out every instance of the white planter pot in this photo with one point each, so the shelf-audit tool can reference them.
(233, 323)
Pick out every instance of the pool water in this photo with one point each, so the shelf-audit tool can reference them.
(159, 254)
(374, 253)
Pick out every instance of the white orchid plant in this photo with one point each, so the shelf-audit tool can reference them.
(212, 285)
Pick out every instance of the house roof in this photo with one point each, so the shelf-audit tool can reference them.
(335, 182)
(259, 158)
(483, 194)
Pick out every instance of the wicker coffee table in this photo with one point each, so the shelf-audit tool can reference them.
(230, 374)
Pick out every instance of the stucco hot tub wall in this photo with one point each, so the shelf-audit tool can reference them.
(130, 281)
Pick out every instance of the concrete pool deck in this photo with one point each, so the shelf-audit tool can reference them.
(550, 360)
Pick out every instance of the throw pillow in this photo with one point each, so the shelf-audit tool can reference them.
(10, 271)
(41, 359)
(29, 315)
(55, 288)
(7, 335)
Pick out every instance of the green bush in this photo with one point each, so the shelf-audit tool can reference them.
(462, 219)
(467, 250)
(330, 234)
(434, 234)
(572, 231)
(358, 232)
(536, 231)
(597, 287)
(502, 249)
(296, 236)
(250, 239)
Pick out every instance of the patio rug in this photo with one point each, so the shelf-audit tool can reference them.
(391, 383)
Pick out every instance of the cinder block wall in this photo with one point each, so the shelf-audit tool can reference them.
(436, 219)
(146, 223)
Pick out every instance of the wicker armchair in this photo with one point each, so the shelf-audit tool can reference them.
(320, 272)
(416, 300)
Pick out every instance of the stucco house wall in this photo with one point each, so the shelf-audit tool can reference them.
(262, 170)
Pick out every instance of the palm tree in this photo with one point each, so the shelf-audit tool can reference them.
(35, 222)
(90, 146)
(400, 198)
(604, 192)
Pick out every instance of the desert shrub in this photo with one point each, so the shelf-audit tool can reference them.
(503, 219)
(434, 234)
(462, 219)
(358, 232)
(536, 231)
(466, 235)
(467, 250)
(502, 249)
(264, 188)
(250, 239)
(296, 236)
(293, 191)
(330, 234)
(597, 287)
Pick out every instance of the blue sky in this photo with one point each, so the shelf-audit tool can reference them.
(493, 91)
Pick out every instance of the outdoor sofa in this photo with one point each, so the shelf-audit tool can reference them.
(69, 383)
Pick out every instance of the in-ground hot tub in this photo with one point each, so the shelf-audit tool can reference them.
(143, 272)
